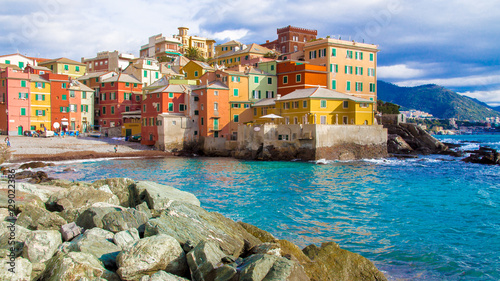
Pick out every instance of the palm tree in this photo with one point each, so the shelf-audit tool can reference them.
(193, 53)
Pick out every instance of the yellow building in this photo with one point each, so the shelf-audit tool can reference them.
(205, 45)
(65, 66)
(351, 65)
(316, 106)
(249, 55)
(195, 69)
(40, 103)
(228, 47)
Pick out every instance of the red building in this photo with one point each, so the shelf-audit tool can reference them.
(14, 100)
(213, 108)
(170, 99)
(293, 75)
(39, 70)
(63, 103)
(117, 94)
(291, 39)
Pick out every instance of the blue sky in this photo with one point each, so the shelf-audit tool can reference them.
(451, 43)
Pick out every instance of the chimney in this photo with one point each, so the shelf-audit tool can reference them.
(278, 96)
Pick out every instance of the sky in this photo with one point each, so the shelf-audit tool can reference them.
(450, 43)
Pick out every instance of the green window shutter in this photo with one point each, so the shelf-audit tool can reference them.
(67, 109)
(61, 109)
(256, 79)
(20, 95)
(269, 80)
(81, 108)
(356, 70)
(334, 84)
(170, 106)
(43, 97)
(346, 69)
(86, 108)
(43, 85)
(236, 118)
(66, 67)
(145, 74)
(371, 57)
(361, 86)
(348, 86)
(260, 96)
(23, 111)
(43, 112)
(361, 70)
(235, 92)
(334, 52)
(361, 55)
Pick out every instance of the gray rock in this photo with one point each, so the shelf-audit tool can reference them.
(20, 233)
(124, 219)
(40, 245)
(203, 260)
(92, 217)
(163, 276)
(4, 213)
(37, 270)
(256, 267)
(21, 269)
(98, 234)
(70, 230)
(80, 196)
(121, 187)
(284, 269)
(126, 237)
(266, 248)
(76, 266)
(226, 273)
(100, 248)
(262, 235)
(143, 207)
(22, 199)
(159, 197)
(35, 218)
(149, 255)
(189, 222)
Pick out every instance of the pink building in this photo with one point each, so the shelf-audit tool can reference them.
(14, 101)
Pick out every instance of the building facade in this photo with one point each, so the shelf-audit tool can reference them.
(205, 45)
(14, 101)
(295, 75)
(108, 61)
(65, 66)
(40, 103)
(291, 39)
(162, 48)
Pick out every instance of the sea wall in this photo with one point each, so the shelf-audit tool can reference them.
(120, 229)
(311, 142)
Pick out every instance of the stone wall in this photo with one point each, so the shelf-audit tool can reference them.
(175, 131)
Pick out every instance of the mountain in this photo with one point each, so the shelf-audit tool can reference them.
(436, 100)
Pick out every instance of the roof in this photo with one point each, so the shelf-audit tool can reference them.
(234, 73)
(37, 78)
(212, 85)
(61, 60)
(231, 43)
(254, 49)
(158, 83)
(122, 77)
(258, 71)
(80, 86)
(265, 102)
(39, 67)
(203, 65)
(15, 67)
(322, 93)
(172, 88)
(92, 75)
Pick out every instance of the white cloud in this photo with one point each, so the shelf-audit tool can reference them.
(475, 81)
(400, 71)
(492, 98)
(228, 35)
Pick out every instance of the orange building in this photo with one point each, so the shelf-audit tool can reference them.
(295, 75)
(213, 108)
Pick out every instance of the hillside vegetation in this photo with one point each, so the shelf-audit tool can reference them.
(436, 100)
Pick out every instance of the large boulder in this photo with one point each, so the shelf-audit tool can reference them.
(41, 191)
(76, 266)
(34, 165)
(159, 197)
(79, 196)
(121, 187)
(92, 217)
(340, 264)
(126, 237)
(124, 219)
(187, 222)
(102, 249)
(35, 218)
(203, 260)
(40, 245)
(15, 270)
(21, 199)
(151, 254)
(260, 234)
(9, 230)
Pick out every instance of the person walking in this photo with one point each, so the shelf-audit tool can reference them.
(116, 148)
(7, 141)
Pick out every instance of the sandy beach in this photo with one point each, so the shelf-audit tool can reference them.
(57, 148)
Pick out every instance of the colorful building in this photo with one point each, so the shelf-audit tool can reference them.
(228, 47)
(40, 117)
(196, 69)
(38, 70)
(147, 70)
(351, 65)
(108, 61)
(213, 107)
(316, 106)
(86, 105)
(248, 56)
(14, 101)
(296, 75)
(205, 45)
(17, 60)
(60, 111)
(291, 40)
(65, 66)
(118, 94)
(162, 48)
(166, 100)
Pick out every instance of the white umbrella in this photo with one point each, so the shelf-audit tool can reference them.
(271, 116)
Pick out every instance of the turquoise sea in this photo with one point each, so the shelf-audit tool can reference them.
(431, 218)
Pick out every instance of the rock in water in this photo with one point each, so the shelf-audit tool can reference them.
(148, 255)
(187, 222)
(40, 245)
(340, 264)
(34, 165)
(76, 266)
(159, 197)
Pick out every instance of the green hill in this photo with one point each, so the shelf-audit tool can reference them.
(436, 100)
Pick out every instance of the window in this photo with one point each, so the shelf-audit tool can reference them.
(112, 110)
(71, 94)
(137, 98)
(323, 103)
(216, 124)
(170, 95)
(359, 55)
(256, 79)
(272, 67)
(202, 121)
(216, 106)
(269, 80)
(286, 105)
(127, 108)
(348, 86)
(344, 120)
(255, 111)
(7, 61)
(170, 106)
(345, 104)
(196, 112)
(348, 55)
(295, 104)
(156, 75)
(359, 87)
(23, 111)
(84, 95)
(145, 73)
(334, 68)
(312, 54)
(77, 68)
(304, 104)
(196, 74)
(235, 92)
(182, 107)
(363, 105)
(348, 69)
(103, 96)
(64, 109)
(64, 85)
(323, 119)
(236, 118)
(143, 108)
(64, 97)
(297, 78)
(285, 79)
(372, 87)
(66, 67)
(135, 85)
(216, 93)
(158, 107)
(283, 137)
(112, 96)
(334, 52)
(371, 72)
(103, 110)
(371, 57)
(23, 83)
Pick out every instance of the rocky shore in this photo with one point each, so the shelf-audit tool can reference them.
(120, 229)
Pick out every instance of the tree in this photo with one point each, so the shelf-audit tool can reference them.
(387, 107)
(194, 53)
(271, 55)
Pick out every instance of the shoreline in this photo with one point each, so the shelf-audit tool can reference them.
(83, 155)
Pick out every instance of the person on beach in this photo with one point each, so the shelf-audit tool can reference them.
(116, 148)
(7, 141)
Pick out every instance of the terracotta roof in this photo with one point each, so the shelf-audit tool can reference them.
(322, 93)
(123, 78)
(252, 49)
(211, 85)
(172, 88)
(62, 60)
(264, 102)
(15, 67)
(39, 67)
(37, 78)
(92, 75)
